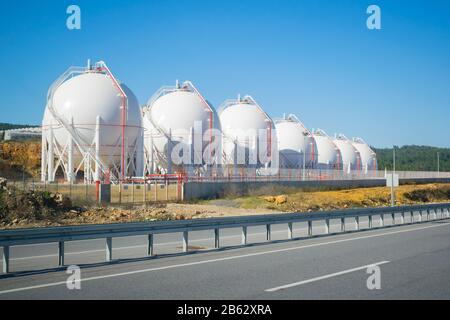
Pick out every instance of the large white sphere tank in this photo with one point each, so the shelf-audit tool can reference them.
(368, 156)
(79, 101)
(350, 156)
(178, 112)
(328, 155)
(242, 122)
(294, 143)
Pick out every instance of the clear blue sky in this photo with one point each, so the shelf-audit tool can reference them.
(314, 58)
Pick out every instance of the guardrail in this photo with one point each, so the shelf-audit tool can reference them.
(60, 235)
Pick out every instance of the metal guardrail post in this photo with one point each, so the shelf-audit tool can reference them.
(370, 222)
(393, 218)
(327, 226)
(342, 224)
(403, 217)
(420, 215)
(244, 235)
(268, 232)
(412, 216)
(109, 249)
(357, 223)
(185, 241)
(381, 220)
(216, 238)
(290, 230)
(310, 233)
(150, 245)
(428, 215)
(61, 253)
(5, 259)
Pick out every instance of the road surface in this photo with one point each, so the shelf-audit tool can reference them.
(413, 262)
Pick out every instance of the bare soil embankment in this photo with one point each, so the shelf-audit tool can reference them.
(19, 209)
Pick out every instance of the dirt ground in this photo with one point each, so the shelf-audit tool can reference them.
(298, 201)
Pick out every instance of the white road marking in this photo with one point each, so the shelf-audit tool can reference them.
(223, 259)
(299, 283)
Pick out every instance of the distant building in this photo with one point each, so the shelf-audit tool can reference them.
(21, 134)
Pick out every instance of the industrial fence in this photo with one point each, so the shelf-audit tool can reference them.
(163, 188)
(252, 174)
(124, 193)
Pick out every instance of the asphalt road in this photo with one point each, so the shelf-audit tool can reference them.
(413, 263)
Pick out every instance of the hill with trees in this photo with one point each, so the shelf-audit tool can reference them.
(9, 126)
(414, 158)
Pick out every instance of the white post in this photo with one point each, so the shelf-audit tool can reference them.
(169, 152)
(216, 238)
(327, 226)
(244, 235)
(290, 230)
(109, 249)
(51, 156)
(5, 259)
(191, 151)
(185, 241)
(151, 170)
(150, 245)
(61, 253)
(235, 158)
(70, 172)
(139, 154)
(43, 156)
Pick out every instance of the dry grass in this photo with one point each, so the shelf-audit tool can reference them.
(340, 199)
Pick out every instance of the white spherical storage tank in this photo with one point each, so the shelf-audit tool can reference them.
(368, 156)
(351, 159)
(180, 126)
(92, 124)
(328, 154)
(296, 145)
(249, 135)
